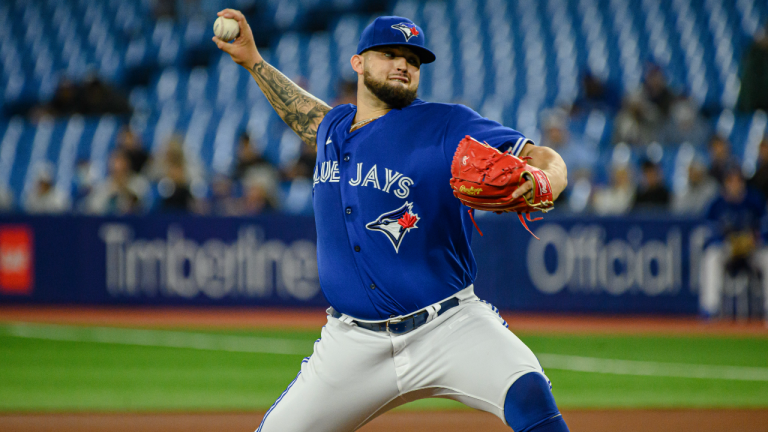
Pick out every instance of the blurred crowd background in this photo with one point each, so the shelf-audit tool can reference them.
(126, 107)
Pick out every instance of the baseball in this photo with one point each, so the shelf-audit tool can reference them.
(226, 29)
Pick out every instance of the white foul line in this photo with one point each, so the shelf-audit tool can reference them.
(647, 368)
(159, 338)
(252, 344)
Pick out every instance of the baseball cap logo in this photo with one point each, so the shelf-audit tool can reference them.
(386, 31)
(408, 30)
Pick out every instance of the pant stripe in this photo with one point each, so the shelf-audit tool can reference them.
(496, 311)
(281, 397)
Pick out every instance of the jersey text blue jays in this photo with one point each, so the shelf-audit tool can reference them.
(391, 237)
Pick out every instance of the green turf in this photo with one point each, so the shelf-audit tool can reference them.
(593, 390)
(43, 375)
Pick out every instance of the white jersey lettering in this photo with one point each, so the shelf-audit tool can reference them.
(325, 171)
(328, 172)
(392, 176)
(335, 172)
(403, 191)
(372, 177)
(359, 177)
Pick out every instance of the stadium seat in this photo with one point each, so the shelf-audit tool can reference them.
(507, 59)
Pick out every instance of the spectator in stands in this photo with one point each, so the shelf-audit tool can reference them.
(99, 98)
(304, 167)
(701, 189)
(175, 196)
(595, 95)
(685, 124)
(122, 193)
(44, 197)
(656, 90)
(257, 176)
(130, 144)
(753, 94)
(578, 156)
(259, 193)
(645, 111)
(173, 187)
(66, 101)
(298, 183)
(720, 157)
(652, 195)
(637, 122)
(223, 201)
(249, 158)
(737, 217)
(173, 154)
(736, 196)
(618, 197)
(83, 185)
(93, 97)
(759, 181)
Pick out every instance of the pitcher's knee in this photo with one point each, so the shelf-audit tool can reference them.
(530, 407)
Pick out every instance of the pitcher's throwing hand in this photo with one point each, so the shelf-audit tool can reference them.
(243, 50)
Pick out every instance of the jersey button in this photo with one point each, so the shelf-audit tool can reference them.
(346, 158)
(357, 248)
(373, 286)
(349, 210)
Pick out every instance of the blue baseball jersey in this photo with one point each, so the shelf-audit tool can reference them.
(391, 237)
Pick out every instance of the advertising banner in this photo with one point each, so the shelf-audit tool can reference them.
(619, 265)
(268, 260)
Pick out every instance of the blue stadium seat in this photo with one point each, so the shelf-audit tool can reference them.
(508, 59)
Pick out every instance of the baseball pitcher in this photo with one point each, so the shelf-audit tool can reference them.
(393, 243)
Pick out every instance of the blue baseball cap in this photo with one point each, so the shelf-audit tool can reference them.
(394, 31)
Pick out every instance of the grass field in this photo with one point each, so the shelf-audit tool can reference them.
(51, 368)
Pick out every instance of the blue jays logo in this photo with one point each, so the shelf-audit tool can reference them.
(408, 30)
(396, 223)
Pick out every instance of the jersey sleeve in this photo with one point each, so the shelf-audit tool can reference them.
(330, 121)
(463, 121)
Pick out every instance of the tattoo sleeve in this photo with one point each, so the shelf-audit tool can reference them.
(298, 109)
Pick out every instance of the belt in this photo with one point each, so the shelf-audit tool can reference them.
(405, 324)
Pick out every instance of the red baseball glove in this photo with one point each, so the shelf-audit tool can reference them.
(484, 178)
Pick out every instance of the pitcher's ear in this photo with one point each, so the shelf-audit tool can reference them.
(357, 61)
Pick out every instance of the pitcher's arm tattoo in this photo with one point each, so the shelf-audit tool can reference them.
(298, 109)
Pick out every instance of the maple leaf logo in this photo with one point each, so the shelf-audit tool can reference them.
(408, 30)
(408, 221)
(395, 224)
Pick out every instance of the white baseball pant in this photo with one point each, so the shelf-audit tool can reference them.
(354, 375)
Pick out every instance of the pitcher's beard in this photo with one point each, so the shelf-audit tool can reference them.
(394, 96)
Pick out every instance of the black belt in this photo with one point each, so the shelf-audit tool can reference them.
(402, 325)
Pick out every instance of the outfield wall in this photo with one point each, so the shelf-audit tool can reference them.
(621, 265)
